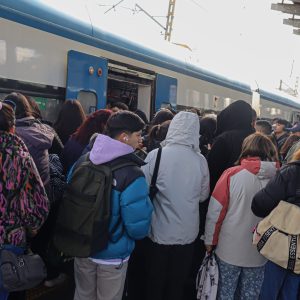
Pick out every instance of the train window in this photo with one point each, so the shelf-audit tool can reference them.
(287, 115)
(216, 102)
(3, 52)
(273, 111)
(196, 99)
(88, 101)
(227, 102)
(206, 101)
(49, 108)
(173, 95)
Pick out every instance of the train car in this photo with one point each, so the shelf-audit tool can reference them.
(51, 56)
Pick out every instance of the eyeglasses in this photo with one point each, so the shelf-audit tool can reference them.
(11, 103)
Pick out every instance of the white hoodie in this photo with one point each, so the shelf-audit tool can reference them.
(183, 182)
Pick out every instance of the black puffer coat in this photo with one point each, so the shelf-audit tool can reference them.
(284, 186)
(233, 126)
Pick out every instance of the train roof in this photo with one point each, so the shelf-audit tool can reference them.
(38, 15)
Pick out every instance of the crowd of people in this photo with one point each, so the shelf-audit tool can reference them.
(216, 176)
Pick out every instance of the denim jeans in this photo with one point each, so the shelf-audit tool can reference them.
(279, 283)
(17, 250)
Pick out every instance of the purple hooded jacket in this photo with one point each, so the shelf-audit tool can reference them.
(38, 138)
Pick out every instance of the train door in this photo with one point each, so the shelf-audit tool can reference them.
(87, 80)
(165, 91)
(130, 85)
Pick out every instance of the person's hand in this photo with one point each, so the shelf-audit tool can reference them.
(209, 248)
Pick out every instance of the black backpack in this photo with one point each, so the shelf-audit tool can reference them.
(82, 227)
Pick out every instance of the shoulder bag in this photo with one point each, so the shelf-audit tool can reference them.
(277, 236)
(21, 272)
(153, 188)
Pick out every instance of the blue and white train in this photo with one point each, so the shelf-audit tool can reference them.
(53, 56)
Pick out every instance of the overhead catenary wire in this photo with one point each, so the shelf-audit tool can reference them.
(114, 6)
(198, 4)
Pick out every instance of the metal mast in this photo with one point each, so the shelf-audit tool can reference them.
(170, 18)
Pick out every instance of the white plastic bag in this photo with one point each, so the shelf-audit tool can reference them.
(208, 278)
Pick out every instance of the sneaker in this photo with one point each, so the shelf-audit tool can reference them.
(55, 281)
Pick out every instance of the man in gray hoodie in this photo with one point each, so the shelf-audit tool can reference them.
(182, 182)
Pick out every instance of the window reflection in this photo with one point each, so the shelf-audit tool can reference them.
(24, 54)
(227, 101)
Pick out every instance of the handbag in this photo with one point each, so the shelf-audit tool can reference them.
(21, 272)
(208, 278)
(153, 188)
(277, 236)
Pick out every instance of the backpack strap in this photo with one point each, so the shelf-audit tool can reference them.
(155, 173)
(156, 168)
(116, 165)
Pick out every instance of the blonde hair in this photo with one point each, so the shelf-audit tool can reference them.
(259, 145)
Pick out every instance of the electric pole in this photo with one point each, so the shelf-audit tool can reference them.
(170, 18)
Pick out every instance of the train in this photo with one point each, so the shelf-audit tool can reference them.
(51, 56)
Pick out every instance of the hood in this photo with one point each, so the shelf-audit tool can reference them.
(238, 115)
(34, 132)
(184, 130)
(263, 169)
(106, 149)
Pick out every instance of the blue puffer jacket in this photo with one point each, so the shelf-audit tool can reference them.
(130, 204)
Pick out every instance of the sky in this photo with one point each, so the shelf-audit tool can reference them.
(241, 39)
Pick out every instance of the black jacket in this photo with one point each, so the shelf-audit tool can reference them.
(233, 126)
(284, 186)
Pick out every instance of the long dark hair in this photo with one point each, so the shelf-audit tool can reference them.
(35, 110)
(159, 132)
(70, 117)
(162, 116)
(95, 123)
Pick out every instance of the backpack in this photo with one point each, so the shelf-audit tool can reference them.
(82, 227)
(277, 237)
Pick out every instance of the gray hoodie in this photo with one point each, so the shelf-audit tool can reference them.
(183, 182)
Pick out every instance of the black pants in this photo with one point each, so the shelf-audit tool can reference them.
(167, 270)
(135, 285)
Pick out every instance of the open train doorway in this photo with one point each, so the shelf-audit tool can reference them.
(131, 86)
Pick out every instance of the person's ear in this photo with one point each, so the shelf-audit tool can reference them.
(124, 137)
